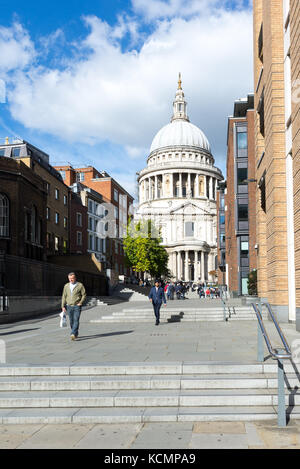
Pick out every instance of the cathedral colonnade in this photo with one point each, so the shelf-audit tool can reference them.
(177, 185)
(191, 265)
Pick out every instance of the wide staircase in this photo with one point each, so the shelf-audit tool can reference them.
(183, 311)
(121, 294)
(144, 392)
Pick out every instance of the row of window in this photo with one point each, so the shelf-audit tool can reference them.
(56, 217)
(15, 151)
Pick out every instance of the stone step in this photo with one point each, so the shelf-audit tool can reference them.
(146, 382)
(139, 414)
(143, 398)
(180, 368)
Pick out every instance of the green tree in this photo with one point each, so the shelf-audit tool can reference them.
(143, 249)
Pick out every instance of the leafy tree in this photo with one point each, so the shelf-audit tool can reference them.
(143, 249)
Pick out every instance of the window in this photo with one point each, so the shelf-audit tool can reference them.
(91, 224)
(56, 243)
(243, 211)
(65, 200)
(91, 206)
(48, 240)
(47, 213)
(56, 218)
(261, 112)
(242, 174)
(243, 214)
(116, 195)
(48, 188)
(189, 228)
(262, 187)
(79, 177)
(79, 238)
(16, 151)
(56, 194)
(4, 216)
(116, 212)
(63, 174)
(2, 151)
(78, 219)
(65, 246)
(222, 219)
(242, 142)
(91, 243)
(65, 222)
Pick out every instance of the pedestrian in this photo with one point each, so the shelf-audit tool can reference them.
(73, 297)
(157, 296)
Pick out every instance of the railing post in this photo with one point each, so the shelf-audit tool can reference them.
(260, 339)
(281, 411)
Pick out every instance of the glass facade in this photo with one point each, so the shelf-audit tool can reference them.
(242, 205)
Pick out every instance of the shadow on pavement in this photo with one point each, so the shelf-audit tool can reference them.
(108, 334)
(19, 331)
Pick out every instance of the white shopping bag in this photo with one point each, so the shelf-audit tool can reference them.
(63, 319)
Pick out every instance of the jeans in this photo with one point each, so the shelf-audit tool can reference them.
(74, 316)
(156, 307)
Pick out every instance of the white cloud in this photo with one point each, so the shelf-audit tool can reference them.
(16, 48)
(108, 94)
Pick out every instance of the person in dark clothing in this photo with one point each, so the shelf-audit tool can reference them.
(157, 297)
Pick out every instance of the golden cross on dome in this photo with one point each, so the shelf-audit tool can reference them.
(179, 82)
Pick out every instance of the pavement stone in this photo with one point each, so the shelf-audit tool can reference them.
(42, 342)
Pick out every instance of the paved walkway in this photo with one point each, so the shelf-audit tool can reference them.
(41, 341)
(155, 436)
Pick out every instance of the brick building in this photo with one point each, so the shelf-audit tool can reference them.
(78, 215)
(292, 26)
(57, 209)
(236, 208)
(276, 71)
(221, 256)
(117, 202)
(23, 201)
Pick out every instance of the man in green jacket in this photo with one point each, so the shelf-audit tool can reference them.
(73, 297)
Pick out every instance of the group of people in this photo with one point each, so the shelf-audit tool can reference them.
(74, 295)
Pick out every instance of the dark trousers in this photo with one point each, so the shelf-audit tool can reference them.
(156, 307)
(74, 316)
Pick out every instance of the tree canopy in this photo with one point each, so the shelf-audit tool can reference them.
(143, 249)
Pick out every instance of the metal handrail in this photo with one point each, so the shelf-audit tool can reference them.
(275, 354)
(224, 309)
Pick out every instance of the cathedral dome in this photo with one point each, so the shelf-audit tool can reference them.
(180, 132)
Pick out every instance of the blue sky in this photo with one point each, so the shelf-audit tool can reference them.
(92, 82)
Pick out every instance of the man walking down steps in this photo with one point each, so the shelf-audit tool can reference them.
(73, 297)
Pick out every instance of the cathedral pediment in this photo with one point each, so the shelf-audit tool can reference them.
(188, 208)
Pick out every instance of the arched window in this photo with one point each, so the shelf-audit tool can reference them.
(4, 216)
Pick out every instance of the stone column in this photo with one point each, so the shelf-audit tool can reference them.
(189, 186)
(197, 194)
(186, 266)
(155, 187)
(202, 267)
(210, 188)
(171, 186)
(180, 184)
(196, 266)
(205, 186)
(179, 274)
